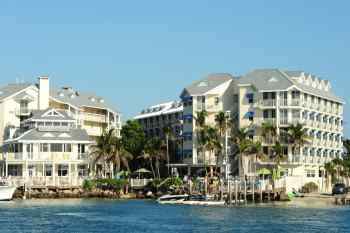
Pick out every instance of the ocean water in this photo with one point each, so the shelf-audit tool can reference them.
(109, 216)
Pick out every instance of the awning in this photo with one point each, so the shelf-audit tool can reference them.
(187, 117)
(250, 95)
(249, 114)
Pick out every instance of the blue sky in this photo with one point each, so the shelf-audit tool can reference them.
(137, 53)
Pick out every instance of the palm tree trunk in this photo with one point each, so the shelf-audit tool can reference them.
(167, 153)
(153, 173)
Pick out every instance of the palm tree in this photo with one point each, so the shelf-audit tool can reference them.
(200, 131)
(153, 152)
(212, 141)
(269, 131)
(222, 125)
(298, 136)
(120, 155)
(278, 157)
(167, 131)
(243, 143)
(103, 148)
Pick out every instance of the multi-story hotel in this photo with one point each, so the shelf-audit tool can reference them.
(46, 133)
(153, 120)
(281, 98)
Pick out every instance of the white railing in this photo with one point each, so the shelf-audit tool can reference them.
(95, 117)
(135, 183)
(268, 102)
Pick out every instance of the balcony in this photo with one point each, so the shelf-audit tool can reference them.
(95, 117)
(295, 102)
(83, 156)
(13, 156)
(23, 112)
(54, 128)
(260, 121)
(268, 103)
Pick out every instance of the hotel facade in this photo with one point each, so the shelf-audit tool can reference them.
(281, 98)
(46, 133)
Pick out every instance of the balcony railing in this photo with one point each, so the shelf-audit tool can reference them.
(23, 112)
(95, 117)
(83, 156)
(268, 103)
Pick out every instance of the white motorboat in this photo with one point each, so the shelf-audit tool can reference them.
(189, 200)
(6, 191)
(172, 199)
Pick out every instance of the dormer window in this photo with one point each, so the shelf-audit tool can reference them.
(61, 94)
(101, 100)
(92, 99)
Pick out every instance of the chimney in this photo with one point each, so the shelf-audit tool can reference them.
(44, 92)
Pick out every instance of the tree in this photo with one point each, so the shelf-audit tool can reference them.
(278, 157)
(298, 136)
(269, 132)
(222, 125)
(200, 130)
(103, 149)
(244, 146)
(167, 131)
(153, 153)
(120, 156)
(133, 137)
(212, 141)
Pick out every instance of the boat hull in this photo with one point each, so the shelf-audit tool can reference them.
(6, 193)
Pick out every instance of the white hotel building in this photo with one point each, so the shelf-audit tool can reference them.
(269, 95)
(45, 133)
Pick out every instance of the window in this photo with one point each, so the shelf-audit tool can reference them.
(31, 170)
(44, 147)
(217, 100)
(235, 98)
(310, 173)
(250, 98)
(56, 147)
(65, 124)
(81, 148)
(83, 171)
(48, 170)
(56, 124)
(67, 147)
(62, 170)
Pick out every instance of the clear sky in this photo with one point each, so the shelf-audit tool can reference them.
(138, 53)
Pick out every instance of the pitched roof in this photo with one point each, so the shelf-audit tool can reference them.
(80, 99)
(11, 89)
(275, 79)
(266, 79)
(36, 135)
(206, 84)
(40, 115)
(159, 109)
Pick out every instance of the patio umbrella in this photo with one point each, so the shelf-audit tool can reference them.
(142, 171)
(264, 171)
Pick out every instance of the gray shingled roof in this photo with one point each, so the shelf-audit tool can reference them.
(38, 115)
(11, 89)
(75, 135)
(266, 79)
(275, 79)
(206, 84)
(80, 99)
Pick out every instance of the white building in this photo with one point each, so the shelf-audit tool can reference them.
(47, 150)
(33, 139)
(281, 98)
(153, 120)
(289, 97)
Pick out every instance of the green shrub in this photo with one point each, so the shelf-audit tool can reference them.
(89, 185)
(310, 187)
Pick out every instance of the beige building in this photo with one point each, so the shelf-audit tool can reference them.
(283, 98)
(46, 133)
(90, 111)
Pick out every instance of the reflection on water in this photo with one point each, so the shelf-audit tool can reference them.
(74, 215)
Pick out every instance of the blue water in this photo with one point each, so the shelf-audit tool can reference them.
(147, 216)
